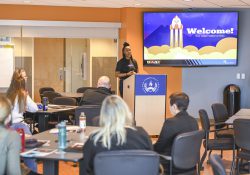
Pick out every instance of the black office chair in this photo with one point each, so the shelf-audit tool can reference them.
(92, 113)
(43, 89)
(242, 140)
(83, 89)
(185, 154)
(126, 162)
(217, 165)
(70, 115)
(64, 101)
(220, 116)
(51, 95)
(216, 143)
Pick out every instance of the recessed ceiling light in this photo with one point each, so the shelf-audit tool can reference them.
(187, 0)
(27, 1)
(137, 4)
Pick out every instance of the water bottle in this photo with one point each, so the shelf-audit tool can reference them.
(62, 135)
(22, 135)
(82, 121)
(45, 103)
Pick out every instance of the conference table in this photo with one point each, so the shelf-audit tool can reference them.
(51, 161)
(43, 116)
(241, 114)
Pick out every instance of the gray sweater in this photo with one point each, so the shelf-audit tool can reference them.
(10, 146)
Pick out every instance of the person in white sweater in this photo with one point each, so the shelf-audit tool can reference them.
(21, 102)
(20, 99)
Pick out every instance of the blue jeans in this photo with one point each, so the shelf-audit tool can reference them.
(30, 163)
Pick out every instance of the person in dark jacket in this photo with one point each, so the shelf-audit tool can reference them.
(181, 122)
(116, 132)
(96, 96)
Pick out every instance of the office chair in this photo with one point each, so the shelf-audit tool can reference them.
(185, 154)
(220, 116)
(51, 95)
(126, 162)
(43, 89)
(92, 113)
(241, 132)
(83, 89)
(216, 143)
(217, 165)
(69, 115)
(64, 101)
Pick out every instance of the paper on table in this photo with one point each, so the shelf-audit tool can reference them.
(68, 128)
(38, 152)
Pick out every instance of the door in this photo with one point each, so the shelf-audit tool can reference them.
(48, 64)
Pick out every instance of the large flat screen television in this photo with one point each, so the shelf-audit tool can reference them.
(190, 38)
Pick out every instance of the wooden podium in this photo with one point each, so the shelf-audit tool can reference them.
(146, 98)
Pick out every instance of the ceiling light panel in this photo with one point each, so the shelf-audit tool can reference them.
(197, 4)
(227, 3)
(246, 1)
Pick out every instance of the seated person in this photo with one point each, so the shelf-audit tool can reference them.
(96, 96)
(21, 102)
(181, 122)
(10, 142)
(116, 132)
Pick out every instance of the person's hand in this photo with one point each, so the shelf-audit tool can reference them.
(131, 73)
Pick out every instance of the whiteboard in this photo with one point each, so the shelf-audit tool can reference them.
(6, 65)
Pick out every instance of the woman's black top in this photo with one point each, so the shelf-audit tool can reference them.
(136, 139)
(124, 66)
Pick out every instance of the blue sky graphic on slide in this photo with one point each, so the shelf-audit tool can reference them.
(199, 28)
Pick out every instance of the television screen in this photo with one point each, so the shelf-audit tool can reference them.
(190, 38)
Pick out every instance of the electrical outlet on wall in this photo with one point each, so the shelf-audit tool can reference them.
(243, 76)
(238, 76)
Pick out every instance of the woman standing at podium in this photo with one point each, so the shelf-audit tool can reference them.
(126, 66)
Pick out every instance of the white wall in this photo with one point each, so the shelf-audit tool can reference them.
(205, 85)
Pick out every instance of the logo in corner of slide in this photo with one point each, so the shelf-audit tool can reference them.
(150, 85)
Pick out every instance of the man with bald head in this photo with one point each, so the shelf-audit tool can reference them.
(96, 96)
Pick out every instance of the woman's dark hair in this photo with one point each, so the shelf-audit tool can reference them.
(125, 44)
(181, 100)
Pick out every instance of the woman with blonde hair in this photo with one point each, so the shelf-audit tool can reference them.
(116, 132)
(10, 143)
(20, 100)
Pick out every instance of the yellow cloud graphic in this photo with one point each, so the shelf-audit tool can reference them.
(225, 48)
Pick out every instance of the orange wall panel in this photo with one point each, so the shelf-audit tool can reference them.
(56, 13)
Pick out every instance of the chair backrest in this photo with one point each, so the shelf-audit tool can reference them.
(186, 149)
(83, 89)
(64, 101)
(205, 123)
(126, 162)
(241, 133)
(92, 113)
(220, 114)
(51, 95)
(217, 165)
(43, 89)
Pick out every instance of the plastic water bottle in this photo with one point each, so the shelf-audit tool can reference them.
(62, 135)
(82, 121)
